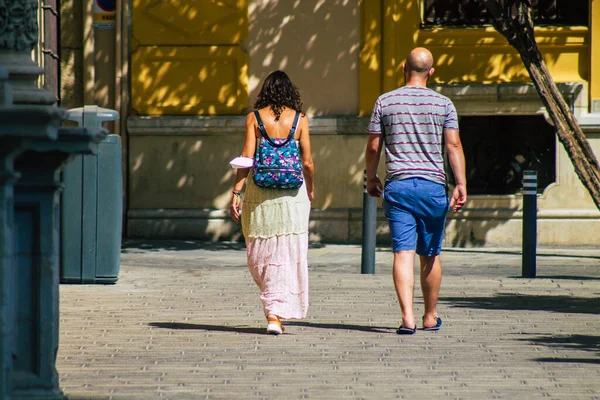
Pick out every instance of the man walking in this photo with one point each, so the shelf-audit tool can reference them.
(417, 125)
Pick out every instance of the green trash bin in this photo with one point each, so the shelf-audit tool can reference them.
(92, 207)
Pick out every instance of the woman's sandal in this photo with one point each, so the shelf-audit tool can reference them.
(274, 327)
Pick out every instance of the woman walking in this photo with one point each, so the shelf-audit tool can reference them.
(275, 221)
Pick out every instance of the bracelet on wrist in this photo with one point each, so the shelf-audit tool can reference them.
(236, 193)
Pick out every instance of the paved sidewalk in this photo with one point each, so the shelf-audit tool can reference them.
(184, 322)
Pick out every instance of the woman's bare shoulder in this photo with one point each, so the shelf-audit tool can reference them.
(251, 121)
(304, 119)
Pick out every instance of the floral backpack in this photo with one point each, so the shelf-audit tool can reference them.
(277, 162)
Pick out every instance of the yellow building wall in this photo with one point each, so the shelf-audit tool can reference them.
(71, 60)
(187, 57)
(196, 80)
(202, 57)
(594, 80)
(391, 28)
(315, 42)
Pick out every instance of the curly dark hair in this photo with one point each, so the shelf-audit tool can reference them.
(278, 91)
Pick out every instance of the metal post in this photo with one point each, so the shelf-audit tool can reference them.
(529, 223)
(367, 265)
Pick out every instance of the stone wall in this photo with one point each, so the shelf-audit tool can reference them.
(180, 181)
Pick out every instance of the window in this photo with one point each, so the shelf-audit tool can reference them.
(473, 12)
(499, 148)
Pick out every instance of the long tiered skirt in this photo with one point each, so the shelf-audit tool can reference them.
(275, 226)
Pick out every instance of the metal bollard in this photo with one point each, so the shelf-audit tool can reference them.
(529, 224)
(367, 265)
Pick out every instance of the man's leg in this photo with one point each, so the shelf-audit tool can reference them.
(397, 198)
(431, 280)
(404, 281)
(432, 209)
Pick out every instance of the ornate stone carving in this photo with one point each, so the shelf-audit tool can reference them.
(18, 25)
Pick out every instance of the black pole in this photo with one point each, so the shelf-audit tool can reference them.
(529, 223)
(367, 265)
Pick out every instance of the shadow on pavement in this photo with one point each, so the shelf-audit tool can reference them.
(588, 343)
(345, 327)
(562, 277)
(182, 245)
(565, 304)
(178, 245)
(569, 360)
(244, 329)
(518, 253)
(202, 327)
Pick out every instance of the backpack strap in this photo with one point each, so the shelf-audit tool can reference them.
(263, 131)
(294, 126)
(261, 126)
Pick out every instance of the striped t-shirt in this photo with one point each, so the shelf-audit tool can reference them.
(413, 119)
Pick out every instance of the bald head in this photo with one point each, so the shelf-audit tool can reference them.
(419, 60)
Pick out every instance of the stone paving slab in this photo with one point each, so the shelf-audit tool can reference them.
(184, 322)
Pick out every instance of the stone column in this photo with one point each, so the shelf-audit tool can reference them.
(35, 278)
(21, 102)
(8, 176)
(18, 37)
(33, 149)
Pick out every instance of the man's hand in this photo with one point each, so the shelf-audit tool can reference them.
(374, 187)
(459, 198)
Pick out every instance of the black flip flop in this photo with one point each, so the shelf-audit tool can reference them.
(403, 330)
(436, 327)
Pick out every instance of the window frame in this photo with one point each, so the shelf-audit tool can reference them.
(565, 15)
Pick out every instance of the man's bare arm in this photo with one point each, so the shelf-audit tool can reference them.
(372, 154)
(456, 157)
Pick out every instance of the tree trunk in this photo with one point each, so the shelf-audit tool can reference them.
(514, 22)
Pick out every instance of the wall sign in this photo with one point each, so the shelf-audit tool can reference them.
(104, 13)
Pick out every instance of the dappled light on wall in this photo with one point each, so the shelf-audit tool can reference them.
(317, 43)
(187, 57)
(179, 22)
(482, 55)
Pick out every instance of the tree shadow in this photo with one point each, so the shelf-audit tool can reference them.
(210, 328)
(71, 94)
(289, 36)
(505, 301)
(490, 57)
(208, 58)
(587, 343)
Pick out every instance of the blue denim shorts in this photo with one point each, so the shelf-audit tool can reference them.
(416, 211)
